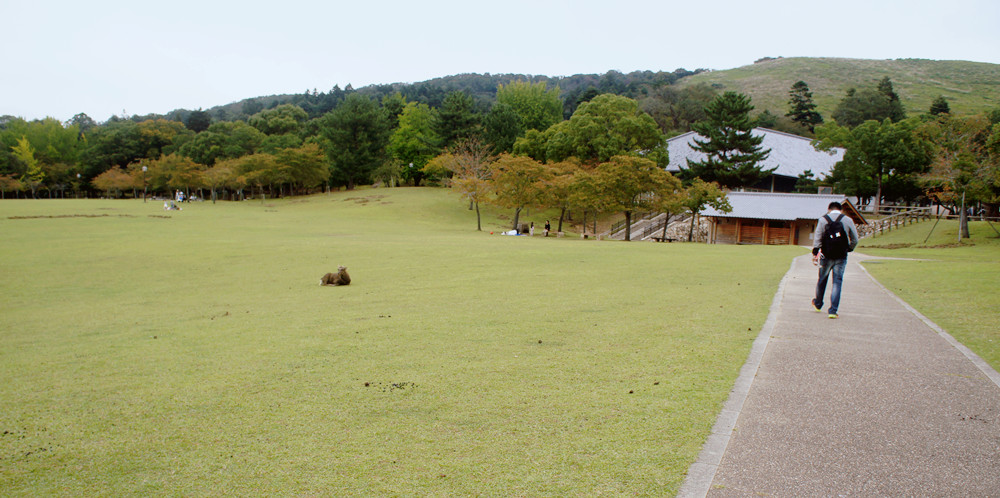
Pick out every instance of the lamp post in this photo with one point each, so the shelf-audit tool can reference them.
(144, 184)
(78, 185)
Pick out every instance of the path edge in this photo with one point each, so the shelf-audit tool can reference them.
(701, 473)
(976, 360)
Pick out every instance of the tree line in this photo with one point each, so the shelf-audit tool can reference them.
(345, 138)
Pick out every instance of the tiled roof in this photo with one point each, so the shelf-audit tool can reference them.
(791, 154)
(775, 206)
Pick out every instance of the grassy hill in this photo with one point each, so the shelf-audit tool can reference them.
(969, 87)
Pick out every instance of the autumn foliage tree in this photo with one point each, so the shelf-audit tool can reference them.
(517, 182)
(629, 184)
(470, 163)
(114, 181)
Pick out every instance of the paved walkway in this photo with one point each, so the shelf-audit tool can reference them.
(880, 402)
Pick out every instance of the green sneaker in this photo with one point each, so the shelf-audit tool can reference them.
(832, 316)
(816, 308)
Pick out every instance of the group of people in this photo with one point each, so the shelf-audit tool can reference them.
(531, 228)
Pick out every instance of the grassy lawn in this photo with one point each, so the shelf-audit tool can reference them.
(955, 285)
(194, 352)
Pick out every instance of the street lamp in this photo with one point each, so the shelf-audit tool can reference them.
(144, 184)
(78, 185)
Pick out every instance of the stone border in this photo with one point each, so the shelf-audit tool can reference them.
(702, 472)
(980, 363)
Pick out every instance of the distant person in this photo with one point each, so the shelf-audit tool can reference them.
(548, 227)
(835, 236)
(531, 229)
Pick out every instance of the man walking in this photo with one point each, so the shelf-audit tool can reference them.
(835, 236)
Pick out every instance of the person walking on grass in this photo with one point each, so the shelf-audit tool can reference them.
(835, 236)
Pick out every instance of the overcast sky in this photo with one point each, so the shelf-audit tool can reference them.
(110, 57)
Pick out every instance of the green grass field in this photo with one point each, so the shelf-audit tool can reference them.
(194, 352)
(955, 285)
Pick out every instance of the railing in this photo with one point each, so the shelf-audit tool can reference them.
(911, 216)
(618, 226)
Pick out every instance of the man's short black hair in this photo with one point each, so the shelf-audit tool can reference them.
(835, 205)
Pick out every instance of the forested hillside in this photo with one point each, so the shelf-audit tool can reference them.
(481, 87)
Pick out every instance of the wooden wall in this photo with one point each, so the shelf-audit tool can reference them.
(753, 231)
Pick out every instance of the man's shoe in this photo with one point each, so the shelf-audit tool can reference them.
(832, 316)
(816, 308)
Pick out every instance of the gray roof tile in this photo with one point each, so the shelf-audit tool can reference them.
(778, 206)
(791, 154)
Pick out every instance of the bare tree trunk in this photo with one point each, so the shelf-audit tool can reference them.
(691, 230)
(561, 216)
(963, 221)
(479, 222)
(628, 226)
(517, 217)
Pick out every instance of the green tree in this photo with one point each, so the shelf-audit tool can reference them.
(701, 194)
(83, 123)
(802, 110)
(198, 121)
(174, 172)
(52, 142)
(670, 200)
(629, 183)
(160, 136)
(393, 105)
(223, 140)
(516, 182)
(940, 106)
(307, 165)
(218, 176)
(965, 165)
(502, 127)
(605, 127)
(869, 104)
(557, 189)
(415, 142)
(357, 133)
(878, 152)
(33, 175)
(457, 119)
(285, 118)
(732, 151)
(677, 109)
(537, 107)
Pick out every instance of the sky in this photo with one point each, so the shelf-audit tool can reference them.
(111, 57)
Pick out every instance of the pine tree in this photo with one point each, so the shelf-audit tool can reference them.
(733, 151)
(940, 106)
(803, 110)
(896, 112)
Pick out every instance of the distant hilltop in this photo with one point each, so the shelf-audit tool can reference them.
(968, 87)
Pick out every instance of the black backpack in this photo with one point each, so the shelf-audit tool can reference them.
(836, 244)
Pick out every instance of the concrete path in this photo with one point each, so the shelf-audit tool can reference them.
(880, 402)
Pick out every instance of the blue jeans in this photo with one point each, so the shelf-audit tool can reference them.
(826, 266)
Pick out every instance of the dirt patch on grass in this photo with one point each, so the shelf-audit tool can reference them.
(69, 216)
(367, 199)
